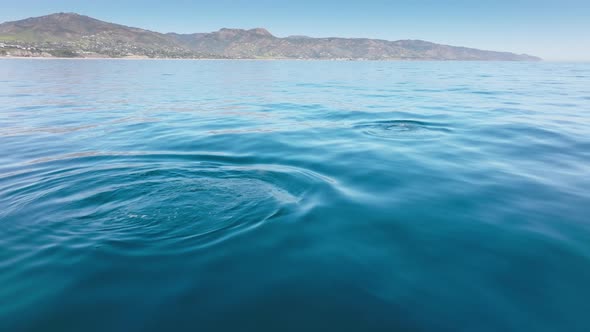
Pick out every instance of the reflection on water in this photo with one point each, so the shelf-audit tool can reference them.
(271, 195)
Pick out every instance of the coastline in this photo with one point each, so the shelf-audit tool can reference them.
(256, 59)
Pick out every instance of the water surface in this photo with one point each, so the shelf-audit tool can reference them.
(271, 196)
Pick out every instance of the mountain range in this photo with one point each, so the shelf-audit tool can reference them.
(74, 35)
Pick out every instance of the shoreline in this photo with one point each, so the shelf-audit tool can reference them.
(262, 59)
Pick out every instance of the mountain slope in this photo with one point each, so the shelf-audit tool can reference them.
(259, 43)
(82, 35)
(77, 35)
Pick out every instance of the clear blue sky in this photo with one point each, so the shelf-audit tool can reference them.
(554, 30)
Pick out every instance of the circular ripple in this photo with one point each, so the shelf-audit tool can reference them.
(403, 129)
(152, 199)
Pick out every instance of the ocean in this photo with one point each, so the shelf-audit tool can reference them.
(294, 196)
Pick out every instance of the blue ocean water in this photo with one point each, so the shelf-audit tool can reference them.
(294, 196)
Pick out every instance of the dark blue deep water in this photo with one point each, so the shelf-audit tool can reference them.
(294, 196)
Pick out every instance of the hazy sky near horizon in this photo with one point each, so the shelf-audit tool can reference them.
(553, 30)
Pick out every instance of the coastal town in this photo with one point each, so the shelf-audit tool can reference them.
(95, 46)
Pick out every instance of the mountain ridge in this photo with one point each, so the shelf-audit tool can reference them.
(75, 35)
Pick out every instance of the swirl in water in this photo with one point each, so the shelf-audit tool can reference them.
(403, 129)
(152, 199)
